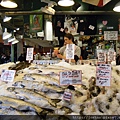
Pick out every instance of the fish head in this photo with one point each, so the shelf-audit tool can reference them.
(10, 89)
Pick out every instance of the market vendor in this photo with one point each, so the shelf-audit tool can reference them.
(61, 53)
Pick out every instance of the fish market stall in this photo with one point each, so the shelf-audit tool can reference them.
(36, 90)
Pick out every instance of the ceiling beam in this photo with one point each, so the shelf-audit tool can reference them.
(87, 13)
(63, 13)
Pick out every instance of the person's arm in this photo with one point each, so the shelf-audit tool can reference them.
(64, 57)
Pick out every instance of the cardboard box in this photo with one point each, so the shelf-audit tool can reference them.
(99, 3)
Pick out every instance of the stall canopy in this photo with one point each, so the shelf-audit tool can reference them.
(42, 43)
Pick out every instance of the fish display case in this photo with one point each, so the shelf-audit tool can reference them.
(36, 90)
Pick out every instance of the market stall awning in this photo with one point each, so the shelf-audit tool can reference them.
(43, 43)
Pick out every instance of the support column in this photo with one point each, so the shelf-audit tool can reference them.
(12, 53)
(19, 48)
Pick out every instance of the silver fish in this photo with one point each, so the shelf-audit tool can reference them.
(28, 77)
(12, 111)
(19, 104)
(31, 94)
(40, 86)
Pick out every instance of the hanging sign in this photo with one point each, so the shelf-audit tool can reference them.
(73, 77)
(103, 74)
(8, 75)
(70, 48)
(29, 56)
(110, 35)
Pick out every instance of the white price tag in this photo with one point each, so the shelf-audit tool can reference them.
(73, 77)
(110, 35)
(70, 48)
(111, 56)
(101, 57)
(103, 74)
(67, 96)
(29, 55)
(8, 75)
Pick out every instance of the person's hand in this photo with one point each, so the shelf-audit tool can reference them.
(59, 56)
(56, 52)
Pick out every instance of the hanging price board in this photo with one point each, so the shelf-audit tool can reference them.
(110, 35)
(73, 77)
(103, 73)
(8, 75)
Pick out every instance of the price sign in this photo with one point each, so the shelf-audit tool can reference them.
(29, 54)
(101, 57)
(111, 56)
(110, 35)
(70, 48)
(8, 75)
(42, 62)
(73, 77)
(67, 96)
(103, 74)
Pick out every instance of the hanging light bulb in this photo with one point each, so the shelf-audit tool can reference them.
(6, 35)
(8, 4)
(66, 3)
(117, 7)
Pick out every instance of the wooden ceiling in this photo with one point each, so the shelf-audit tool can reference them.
(26, 7)
(30, 5)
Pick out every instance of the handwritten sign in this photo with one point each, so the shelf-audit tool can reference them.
(45, 62)
(67, 96)
(103, 74)
(29, 54)
(8, 75)
(111, 56)
(101, 57)
(73, 77)
(70, 48)
(110, 35)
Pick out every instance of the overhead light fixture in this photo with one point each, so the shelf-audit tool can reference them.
(11, 39)
(66, 3)
(8, 4)
(15, 41)
(76, 6)
(117, 7)
(6, 19)
(6, 35)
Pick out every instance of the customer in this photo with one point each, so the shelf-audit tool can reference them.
(21, 58)
(3, 58)
(68, 39)
(84, 53)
